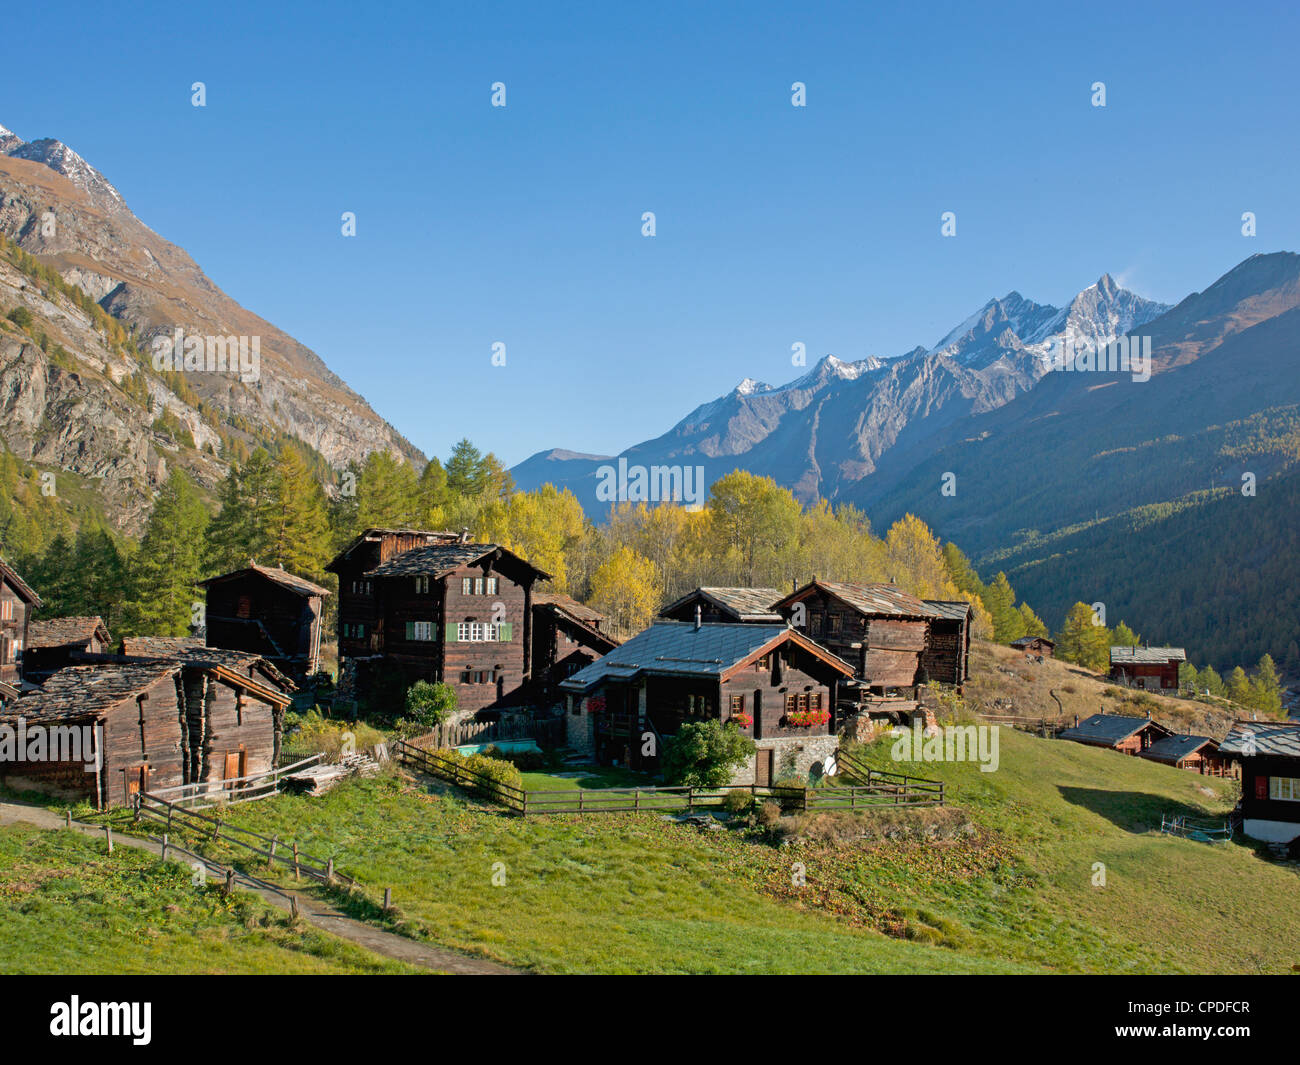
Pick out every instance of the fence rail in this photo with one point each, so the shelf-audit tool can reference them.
(884, 789)
(233, 790)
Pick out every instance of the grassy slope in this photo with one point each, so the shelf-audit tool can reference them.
(629, 893)
(67, 907)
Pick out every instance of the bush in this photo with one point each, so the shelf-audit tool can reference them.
(703, 754)
(738, 803)
(318, 733)
(21, 317)
(769, 814)
(527, 760)
(430, 704)
(499, 772)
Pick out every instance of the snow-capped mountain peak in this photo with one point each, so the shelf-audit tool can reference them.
(63, 160)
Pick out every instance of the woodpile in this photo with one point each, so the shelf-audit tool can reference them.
(318, 779)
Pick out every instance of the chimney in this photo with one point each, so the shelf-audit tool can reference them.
(794, 585)
(698, 620)
(464, 535)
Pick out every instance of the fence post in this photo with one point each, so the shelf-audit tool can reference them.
(164, 847)
(108, 834)
(274, 842)
(69, 821)
(690, 799)
(230, 881)
(295, 862)
(329, 871)
(216, 829)
(169, 817)
(293, 907)
(388, 899)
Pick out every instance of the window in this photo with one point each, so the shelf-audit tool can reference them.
(419, 630)
(815, 701)
(763, 664)
(833, 625)
(475, 632)
(790, 704)
(361, 587)
(422, 585)
(1286, 789)
(803, 701)
(467, 586)
(354, 631)
(491, 586)
(737, 704)
(6, 610)
(815, 625)
(478, 585)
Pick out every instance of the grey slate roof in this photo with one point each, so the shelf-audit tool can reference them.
(282, 577)
(1106, 730)
(437, 559)
(678, 648)
(191, 651)
(744, 604)
(952, 609)
(85, 691)
(64, 632)
(1173, 749)
(158, 646)
(877, 600)
(1268, 737)
(1145, 656)
(1025, 641)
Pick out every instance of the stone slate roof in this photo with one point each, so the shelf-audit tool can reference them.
(744, 604)
(85, 691)
(1174, 749)
(431, 535)
(1277, 738)
(1145, 656)
(437, 559)
(282, 577)
(158, 646)
(1025, 641)
(888, 600)
(952, 609)
(569, 606)
(1106, 730)
(64, 632)
(678, 648)
(20, 586)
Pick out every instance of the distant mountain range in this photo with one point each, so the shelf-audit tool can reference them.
(84, 413)
(1053, 474)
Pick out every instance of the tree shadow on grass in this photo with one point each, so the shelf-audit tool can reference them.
(1136, 811)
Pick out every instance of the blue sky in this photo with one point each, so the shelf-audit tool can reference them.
(775, 224)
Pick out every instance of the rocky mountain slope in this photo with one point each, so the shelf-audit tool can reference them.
(826, 433)
(88, 403)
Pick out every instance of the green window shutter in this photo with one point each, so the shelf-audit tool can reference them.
(507, 631)
(451, 632)
(433, 630)
(410, 630)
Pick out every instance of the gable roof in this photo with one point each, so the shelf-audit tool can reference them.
(65, 632)
(743, 604)
(20, 586)
(282, 577)
(570, 606)
(86, 691)
(678, 648)
(1146, 656)
(1025, 641)
(1277, 738)
(158, 646)
(952, 609)
(1174, 749)
(192, 651)
(1106, 730)
(436, 560)
(579, 620)
(376, 534)
(874, 600)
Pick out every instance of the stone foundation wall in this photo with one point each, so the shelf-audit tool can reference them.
(579, 733)
(793, 759)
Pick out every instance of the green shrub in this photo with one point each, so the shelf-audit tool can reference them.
(528, 760)
(430, 704)
(499, 772)
(703, 754)
(21, 317)
(738, 803)
(318, 733)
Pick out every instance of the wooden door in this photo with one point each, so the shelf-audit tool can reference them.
(763, 768)
(234, 765)
(137, 780)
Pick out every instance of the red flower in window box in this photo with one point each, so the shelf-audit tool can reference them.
(742, 719)
(596, 704)
(807, 718)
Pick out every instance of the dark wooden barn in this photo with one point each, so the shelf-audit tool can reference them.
(130, 715)
(267, 611)
(1128, 735)
(1152, 668)
(1038, 646)
(234, 721)
(1199, 754)
(55, 643)
(775, 684)
(1269, 755)
(17, 601)
(424, 606)
(713, 605)
(946, 659)
(879, 628)
(567, 636)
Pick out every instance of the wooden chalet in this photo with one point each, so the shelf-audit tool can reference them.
(778, 686)
(946, 659)
(17, 601)
(432, 606)
(1038, 646)
(55, 643)
(267, 611)
(1152, 668)
(1200, 754)
(129, 715)
(1269, 755)
(1128, 735)
(567, 636)
(714, 605)
(883, 631)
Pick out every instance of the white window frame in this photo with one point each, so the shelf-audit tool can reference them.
(492, 586)
(1284, 789)
(422, 630)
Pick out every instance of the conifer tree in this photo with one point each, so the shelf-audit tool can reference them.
(169, 562)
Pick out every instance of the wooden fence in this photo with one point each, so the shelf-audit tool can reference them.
(1043, 726)
(546, 730)
(884, 790)
(209, 793)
